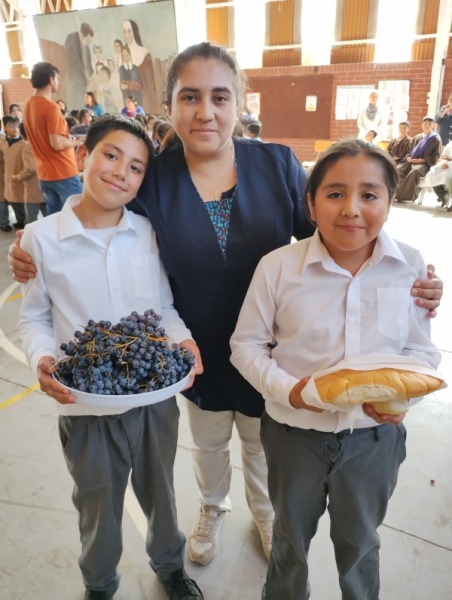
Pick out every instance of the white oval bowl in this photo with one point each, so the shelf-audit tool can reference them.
(127, 401)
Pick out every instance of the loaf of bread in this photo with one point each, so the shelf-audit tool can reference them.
(387, 390)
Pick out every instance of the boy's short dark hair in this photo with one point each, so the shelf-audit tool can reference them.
(106, 70)
(9, 119)
(11, 106)
(107, 124)
(41, 74)
(407, 123)
(86, 29)
(76, 114)
(373, 131)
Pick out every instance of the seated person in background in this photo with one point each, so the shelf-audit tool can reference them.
(161, 132)
(399, 147)
(370, 136)
(424, 152)
(440, 176)
(85, 118)
(131, 108)
(63, 107)
(141, 120)
(12, 191)
(155, 141)
(34, 200)
(253, 130)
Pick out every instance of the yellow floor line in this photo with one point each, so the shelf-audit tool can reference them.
(19, 396)
(14, 297)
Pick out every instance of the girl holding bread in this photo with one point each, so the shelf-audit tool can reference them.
(341, 293)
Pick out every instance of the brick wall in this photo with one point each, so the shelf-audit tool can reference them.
(417, 72)
(15, 91)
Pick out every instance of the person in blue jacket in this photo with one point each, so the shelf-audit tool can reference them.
(218, 204)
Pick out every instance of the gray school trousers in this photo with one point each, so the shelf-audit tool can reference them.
(356, 474)
(100, 453)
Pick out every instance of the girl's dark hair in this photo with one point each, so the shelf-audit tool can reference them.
(106, 124)
(93, 98)
(343, 149)
(126, 48)
(41, 74)
(204, 50)
(60, 100)
(76, 113)
(141, 119)
(71, 122)
(156, 125)
(132, 98)
(118, 42)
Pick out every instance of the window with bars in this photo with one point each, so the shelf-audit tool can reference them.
(355, 23)
(220, 23)
(283, 28)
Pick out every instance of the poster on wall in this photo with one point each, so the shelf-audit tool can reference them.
(350, 100)
(114, 52)
(253, 102)
(394, 100)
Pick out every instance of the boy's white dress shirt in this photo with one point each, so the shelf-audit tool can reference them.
(81, 277)
(318, 314)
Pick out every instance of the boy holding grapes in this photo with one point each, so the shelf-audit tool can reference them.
(95, 260)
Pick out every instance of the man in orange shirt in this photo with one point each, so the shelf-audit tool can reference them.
(48, 135)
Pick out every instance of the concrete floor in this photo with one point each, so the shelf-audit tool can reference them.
(39, 542)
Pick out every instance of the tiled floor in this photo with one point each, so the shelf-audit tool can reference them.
(39, 542)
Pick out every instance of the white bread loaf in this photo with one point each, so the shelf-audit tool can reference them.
(387, 390)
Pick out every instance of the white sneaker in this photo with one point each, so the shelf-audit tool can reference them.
(203, 540)
(265, 529)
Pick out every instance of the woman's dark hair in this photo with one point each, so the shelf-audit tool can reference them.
(204, 50)
(76, 114)
(170, 139)
(132, 98)
(136, 33)
(156, 125)
(346, 148)
(163, 129)
(107, 124)
(41, 73)
(141, 119)
(93, 98)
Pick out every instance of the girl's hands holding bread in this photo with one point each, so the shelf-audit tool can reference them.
(295, 396)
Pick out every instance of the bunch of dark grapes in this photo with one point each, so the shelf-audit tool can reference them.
(130, 357)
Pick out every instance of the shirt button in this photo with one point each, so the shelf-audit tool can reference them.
(352, 320)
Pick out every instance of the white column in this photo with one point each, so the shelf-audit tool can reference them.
(396, 23)
(249, 32)
(190, 22)
(5, 62)
(318, 19)
(442, 41)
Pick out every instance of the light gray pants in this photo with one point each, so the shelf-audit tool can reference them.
(100, 453)
(357, 474)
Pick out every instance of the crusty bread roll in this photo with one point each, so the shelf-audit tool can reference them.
(387, 390)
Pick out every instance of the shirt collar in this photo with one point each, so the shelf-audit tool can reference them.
(69, 224)
(385, 246)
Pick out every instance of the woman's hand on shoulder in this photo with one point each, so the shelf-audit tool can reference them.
(198, 368)
(394, 419)
(49, 385)
(297, 401)
(428, 291)
(20, 263)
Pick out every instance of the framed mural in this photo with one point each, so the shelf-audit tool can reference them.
(114, 52)
(350, 100)
(395, 102)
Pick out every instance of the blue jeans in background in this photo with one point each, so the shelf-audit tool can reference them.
(57, 192)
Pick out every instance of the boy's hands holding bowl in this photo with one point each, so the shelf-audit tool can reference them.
(49, 385)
